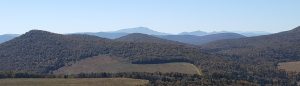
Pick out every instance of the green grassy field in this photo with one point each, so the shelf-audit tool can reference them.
(74, 82)
(111, 65)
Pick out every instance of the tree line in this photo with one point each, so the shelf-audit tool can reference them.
(160, 79)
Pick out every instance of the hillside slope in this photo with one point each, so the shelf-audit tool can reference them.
(261, 54)
(199, 40)
(247, 59)
(284, 45)
(144, 38)
(109, 35)
(42, 52)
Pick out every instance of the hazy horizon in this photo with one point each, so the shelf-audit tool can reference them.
(71, 16)
(114, 31)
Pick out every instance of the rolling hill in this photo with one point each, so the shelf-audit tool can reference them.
(261, 54)
(252, 59)
(43, 52)
(283, 45)
(109, 35)
(143, 30)
(199, 40)
(40, 51)
(253, 33)
(144, 38)
(245, 33)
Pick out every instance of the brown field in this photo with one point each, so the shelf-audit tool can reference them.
(74, 82)
(113, 65)
(290, 66)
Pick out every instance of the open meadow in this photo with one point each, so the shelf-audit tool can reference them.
(114, 65)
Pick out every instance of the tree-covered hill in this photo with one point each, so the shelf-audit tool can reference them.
(281, 46)
(199, 40)
(248, 60)
(144, 38)
(42, 51)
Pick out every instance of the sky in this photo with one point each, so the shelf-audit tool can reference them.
(171, 16)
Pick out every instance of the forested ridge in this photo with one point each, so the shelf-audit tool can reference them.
(245, 61)
(144, 38)
(259, 56)
(42, 52)
(199, 40)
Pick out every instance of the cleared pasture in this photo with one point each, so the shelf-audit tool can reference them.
(114, 65)
(290, 66)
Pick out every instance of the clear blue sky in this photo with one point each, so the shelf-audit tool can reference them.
(173, 16)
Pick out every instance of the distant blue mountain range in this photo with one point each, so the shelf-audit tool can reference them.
(199, 40)
(6, 37)
(248, 34)
(195, 37)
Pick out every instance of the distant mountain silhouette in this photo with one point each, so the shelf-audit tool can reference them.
(254, 33)
(283, 45)
(42, 52)
(7, 37)
(191, 37)
(198, 40)
(248, 34)
(143, 30)
(144, 38)
(123, 32)
(196, 33)
(109, 35)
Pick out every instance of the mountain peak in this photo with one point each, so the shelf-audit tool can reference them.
(196, 33)
(143, 30)
(135, 29)
(135, 37)
(38, 32)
